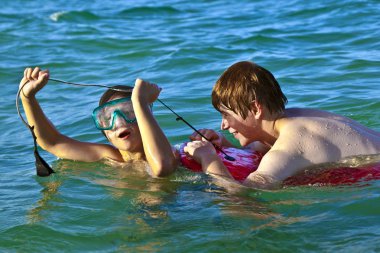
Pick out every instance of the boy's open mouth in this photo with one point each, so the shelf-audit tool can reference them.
(124, 134)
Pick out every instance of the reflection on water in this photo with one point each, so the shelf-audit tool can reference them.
(349, 171)
(49, 190)
(359, 161)
(131, 184)
(137, 212)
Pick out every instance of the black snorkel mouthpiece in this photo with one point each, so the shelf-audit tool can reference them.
(42, 167)
(229, 158)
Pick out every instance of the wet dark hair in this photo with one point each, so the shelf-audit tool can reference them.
(122, 90)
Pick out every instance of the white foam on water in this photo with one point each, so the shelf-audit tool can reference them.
(56, 15)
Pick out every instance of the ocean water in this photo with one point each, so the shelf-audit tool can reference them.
(324, 53)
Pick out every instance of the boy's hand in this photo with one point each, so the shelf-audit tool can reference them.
(145, 92)
(36, 79)
(199, 150)
(210, 134)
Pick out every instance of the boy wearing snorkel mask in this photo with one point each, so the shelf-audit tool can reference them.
(124, 116)
(252, 106)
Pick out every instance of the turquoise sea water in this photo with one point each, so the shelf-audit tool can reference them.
(325, 55)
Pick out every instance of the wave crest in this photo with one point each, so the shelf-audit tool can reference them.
(73, 16)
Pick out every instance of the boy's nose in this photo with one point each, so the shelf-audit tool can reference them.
(119, 121)
(224, 124)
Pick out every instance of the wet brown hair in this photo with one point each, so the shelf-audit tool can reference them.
(244, 82)
(122, 90)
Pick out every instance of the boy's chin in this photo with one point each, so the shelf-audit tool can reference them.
(129, 145)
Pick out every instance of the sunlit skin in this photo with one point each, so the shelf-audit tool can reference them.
(298, 139)
(126, 137)
(248, 129)
(291, 140)
(144, 140)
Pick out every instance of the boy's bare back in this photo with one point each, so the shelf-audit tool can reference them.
(309, 137)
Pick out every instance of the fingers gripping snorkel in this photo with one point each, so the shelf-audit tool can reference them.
(42, 167)
(227, 157)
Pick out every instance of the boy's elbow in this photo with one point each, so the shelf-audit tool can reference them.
(164, 168)
(50, 143)
(260, 181)
(49, 147)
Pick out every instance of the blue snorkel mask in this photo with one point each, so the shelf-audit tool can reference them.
(105, 115)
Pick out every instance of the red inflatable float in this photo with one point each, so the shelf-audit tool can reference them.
(247, 162)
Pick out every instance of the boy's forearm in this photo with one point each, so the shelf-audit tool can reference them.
(44, 130)
(259, 181)
(157, 148)
(212, 164)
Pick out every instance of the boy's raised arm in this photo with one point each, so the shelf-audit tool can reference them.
(48, 137)
(157, 148)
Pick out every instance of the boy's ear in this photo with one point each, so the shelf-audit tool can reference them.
(257, 109)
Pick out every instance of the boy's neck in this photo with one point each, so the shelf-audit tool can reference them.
(270, 128)
(127, 156)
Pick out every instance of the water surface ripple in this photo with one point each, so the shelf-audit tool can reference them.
(324, 53)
